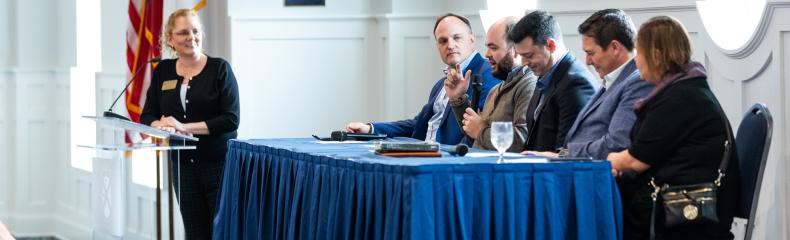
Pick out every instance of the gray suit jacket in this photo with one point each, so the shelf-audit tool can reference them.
(604, 124)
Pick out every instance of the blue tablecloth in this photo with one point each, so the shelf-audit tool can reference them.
(299, 189)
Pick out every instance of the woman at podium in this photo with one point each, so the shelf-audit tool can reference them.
(197, 95)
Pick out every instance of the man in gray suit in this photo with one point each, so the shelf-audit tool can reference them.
(604, 124)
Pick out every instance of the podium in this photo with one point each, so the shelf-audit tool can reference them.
(110, 180)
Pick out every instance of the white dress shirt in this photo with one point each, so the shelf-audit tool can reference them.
(441, 104)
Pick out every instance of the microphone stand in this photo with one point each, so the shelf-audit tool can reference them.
(109, 112)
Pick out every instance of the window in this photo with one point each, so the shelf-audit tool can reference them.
(721, 17)
(82, 81)
(501, 8)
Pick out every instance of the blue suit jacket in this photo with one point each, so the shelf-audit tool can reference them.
(604, 124)
(449, 132)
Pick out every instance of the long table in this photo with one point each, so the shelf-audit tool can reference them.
(301, 189)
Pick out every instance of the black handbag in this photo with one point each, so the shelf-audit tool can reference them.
(694, 203)
(689, 204)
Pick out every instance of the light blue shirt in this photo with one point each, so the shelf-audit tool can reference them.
(441, 102)
(544, 81)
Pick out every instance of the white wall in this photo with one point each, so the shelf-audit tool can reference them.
(40, 193)
(309, 70)
(311, 74)
(34, 83)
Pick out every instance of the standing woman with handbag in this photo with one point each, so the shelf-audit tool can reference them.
(678, 140)
(197, 95)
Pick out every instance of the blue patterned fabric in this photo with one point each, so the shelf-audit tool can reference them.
(299, 189)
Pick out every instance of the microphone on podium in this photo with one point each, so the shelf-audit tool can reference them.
(109, 112)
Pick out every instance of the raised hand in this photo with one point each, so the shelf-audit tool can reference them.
(456, 85)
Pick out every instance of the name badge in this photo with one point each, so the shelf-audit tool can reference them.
(169, 85)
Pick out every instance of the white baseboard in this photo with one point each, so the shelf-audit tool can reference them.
(59, 227)
(46, 225)
(68, 229)
(29, 225)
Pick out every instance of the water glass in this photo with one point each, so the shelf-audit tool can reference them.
(501, 137)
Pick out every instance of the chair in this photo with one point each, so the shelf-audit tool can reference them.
(752, 142)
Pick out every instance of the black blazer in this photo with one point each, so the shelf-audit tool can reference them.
(213, 97)
(570, 88)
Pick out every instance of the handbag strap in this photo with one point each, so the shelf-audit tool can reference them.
(725, 158)
(654, 196)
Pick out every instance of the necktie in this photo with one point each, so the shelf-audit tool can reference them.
(537, 109)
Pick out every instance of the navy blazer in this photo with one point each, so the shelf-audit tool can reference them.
(449, 132)
(604, 125)
(570, 88)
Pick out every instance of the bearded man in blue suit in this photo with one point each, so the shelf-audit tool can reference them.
(435, 122)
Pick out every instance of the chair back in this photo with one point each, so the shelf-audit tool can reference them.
(752, 141)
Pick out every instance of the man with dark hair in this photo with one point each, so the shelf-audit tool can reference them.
(564, 85)
(604, 125)
(507, 101)
(435, 122)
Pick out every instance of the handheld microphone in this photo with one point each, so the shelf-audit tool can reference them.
(109, 112)
(457, 150)
(477, 87)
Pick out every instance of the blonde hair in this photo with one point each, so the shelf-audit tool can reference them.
(665, 44)
(167, 30)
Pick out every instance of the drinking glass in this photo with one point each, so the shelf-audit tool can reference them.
(501, 137)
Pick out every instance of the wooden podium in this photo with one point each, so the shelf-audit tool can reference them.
(109, 187)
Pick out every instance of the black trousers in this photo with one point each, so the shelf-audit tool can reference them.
(199, 181)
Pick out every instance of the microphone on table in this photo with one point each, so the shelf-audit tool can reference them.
(109, 112)
(457, 150)
(350, 136)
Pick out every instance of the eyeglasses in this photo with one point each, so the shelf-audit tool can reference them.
(185, 33)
